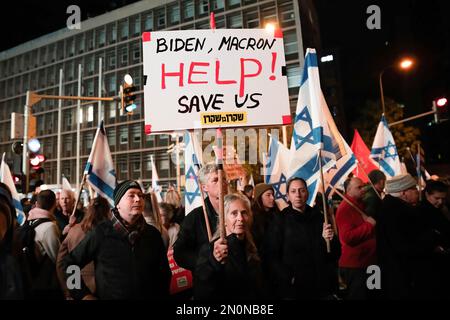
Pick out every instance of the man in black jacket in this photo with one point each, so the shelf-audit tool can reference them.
(403, 241)
(129, 255)
(193, 233)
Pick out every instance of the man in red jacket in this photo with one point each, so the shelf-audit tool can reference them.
(357, 237)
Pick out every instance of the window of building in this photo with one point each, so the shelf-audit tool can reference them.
(70, 47)
(67, 145)
(174, 14)
(235, 21)
(136, 133)
(290, 42)
(136, 166)
(124, 56)
(269, 15)
(136, 25)
(202, 7)
(293, 75)
(90, 113)
(161, 18)
(101, 33)
(148, 26)
(113, 33)
(136, 49)
(90, 64)
(123, 27)
(188, 9)
(233, 3)
(217, 4)
(112, 109)
(111, 133)
(111, 59)
(252, 19)
(88, 138)
(287, 15)
(90, 87)
(90, 40)
(123, 135)
(112, 88)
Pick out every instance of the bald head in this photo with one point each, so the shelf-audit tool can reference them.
(355, 188)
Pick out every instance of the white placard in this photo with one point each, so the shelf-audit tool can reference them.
(214, 78)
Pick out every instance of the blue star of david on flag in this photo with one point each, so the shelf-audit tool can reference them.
(277, 187)
(190, 196)
(388, 154)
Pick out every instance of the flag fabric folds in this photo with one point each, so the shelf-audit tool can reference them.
(277, 170)
(337, 174)
(362, 154)
(99, 171)
(66, 184)
(6, 178)
(384, 151)
(314, 130)
(192, 164)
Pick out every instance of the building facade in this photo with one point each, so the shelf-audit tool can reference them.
(115, 37)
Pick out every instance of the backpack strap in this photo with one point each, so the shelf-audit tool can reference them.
(35, 222)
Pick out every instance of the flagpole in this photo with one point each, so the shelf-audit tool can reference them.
(370, 181)
(205, 214)
(220, 176)
(419, 173)
(349, 202)
(83, 180)
(325, 214)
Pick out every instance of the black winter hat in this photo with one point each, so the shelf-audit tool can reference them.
(122, 188)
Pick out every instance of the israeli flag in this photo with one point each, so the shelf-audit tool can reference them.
(314, 130)
(192, 164)
(384, 151)
(66, 184)
(337, 174)
(277, 170)
(99, 171)
(6, 178)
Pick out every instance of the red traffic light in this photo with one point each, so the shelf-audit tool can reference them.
(441, 102)
(36, 160)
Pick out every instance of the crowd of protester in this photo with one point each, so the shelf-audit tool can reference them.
(261, 253)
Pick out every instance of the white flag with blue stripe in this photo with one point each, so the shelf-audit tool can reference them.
(192, 164)
(6, 178)
(100, 167)
(384, 151)
(337, 174)
(277, 170)
(314, 130)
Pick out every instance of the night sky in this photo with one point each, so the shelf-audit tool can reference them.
(408, 27)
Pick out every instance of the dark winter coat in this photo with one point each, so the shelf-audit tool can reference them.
(402, 245)
(299, 264)
(122, 270)
(434, 280)
(193, 236)
(240, 278)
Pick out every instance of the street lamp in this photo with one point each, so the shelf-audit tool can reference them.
(405, 64)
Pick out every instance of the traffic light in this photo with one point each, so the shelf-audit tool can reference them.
(36, 161)
(128, 95)
(440, 108)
